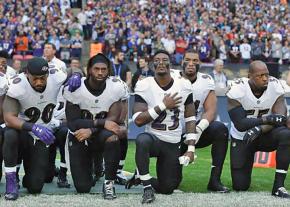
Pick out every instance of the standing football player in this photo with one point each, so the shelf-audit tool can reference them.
(257, 104)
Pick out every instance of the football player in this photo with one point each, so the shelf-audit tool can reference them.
(159, 101)
(92, 113)
(257, 104)
(27, 108)
(210, 132)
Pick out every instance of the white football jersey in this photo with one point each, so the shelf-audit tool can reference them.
(255, 107)
(36, 107)
(167, 127)
(3, 84)
(92, 106)
(57, 64)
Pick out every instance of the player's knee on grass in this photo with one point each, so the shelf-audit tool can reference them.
(35, 186)
(83, 187)
(241, 182)
(167, 187)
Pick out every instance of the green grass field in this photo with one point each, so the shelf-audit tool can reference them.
(195, 177)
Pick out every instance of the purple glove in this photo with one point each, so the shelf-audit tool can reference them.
(43, 133)
(74, 82)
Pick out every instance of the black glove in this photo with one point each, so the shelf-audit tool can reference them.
(252, 134)
(275, 119)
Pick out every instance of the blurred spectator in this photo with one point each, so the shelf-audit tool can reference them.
(37, 45)
(204, 51)
(65, 45)
(76, 45)
(222, 50)
(276, 50)
(82, 17)
(234, 53)
(181, 46)
(257, 49)
(21, 43)
(267, 51)
(7, 44)
(169, 44)
(245, 49)
(218, 75)
(286, 53)
(75, 67)
(142, 72)
(121, 69)
(53, 62)
(15, 69)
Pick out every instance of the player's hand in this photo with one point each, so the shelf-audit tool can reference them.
(190, 155)
(123, 132)
(113, 127)
(172, 101)
(252, 134)
(274, 119)
(74, 82)
(43, 133)
(82, 134)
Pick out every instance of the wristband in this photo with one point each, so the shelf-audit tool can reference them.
(27, 126)
(191, 148)
(203, 124)
(136, 115)
(153, 113)
(190, 136)
(162, 106)
(191, 118)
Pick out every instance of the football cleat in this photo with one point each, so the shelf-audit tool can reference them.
(281, 193)
(148, 195)
(12, 192)
(132, 181)
(217, 187)
(109, 190)
(121, 179)
(62, 181)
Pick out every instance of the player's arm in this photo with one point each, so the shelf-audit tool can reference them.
(115, 112)
(210, 107)
(11, 109)
(279, 106)
(239, 116)
(124, 112)
(209, 113)
(142, 115)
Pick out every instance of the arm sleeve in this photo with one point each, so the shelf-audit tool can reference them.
(239, 117)
(73, 115)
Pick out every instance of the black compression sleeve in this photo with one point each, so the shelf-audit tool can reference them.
(73, 116)
(139, 99)
(189, 100)
(239, 117)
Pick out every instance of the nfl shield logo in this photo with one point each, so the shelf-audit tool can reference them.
(41, 96)
(96, 101)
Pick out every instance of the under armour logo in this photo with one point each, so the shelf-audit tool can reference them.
(251, 132)
(279, 119)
